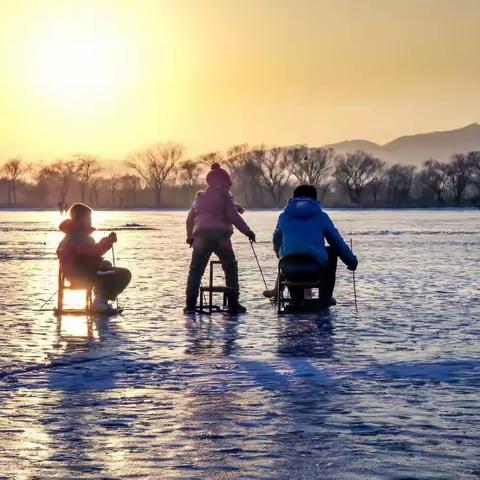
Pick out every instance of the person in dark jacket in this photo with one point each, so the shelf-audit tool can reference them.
(81, 259)
(210, 225)
(299, 243)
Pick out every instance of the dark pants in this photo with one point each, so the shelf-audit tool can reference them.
(304, 268)
(204, 245)
(110, 285)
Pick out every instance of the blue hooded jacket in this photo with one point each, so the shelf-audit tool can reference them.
(303, 227)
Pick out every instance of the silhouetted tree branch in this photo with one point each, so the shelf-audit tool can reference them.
(355, 171)
(156, 165)
(399, 178)
(261, 176)
(271, 166)
(13, 169)
(312, 166)
(87, 168)
(474, 159)
(64, 171)
(459, 173)
(433, 179)
(190, 172)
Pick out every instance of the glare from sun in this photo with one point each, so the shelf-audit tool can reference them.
(79, 63)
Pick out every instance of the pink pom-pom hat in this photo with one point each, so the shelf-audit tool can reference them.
(218, 177)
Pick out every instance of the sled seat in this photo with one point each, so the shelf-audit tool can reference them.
(302, 284)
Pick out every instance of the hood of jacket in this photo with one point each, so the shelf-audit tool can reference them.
(302, 207)
(70, 226)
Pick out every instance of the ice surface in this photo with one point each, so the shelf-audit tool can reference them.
(391, 393)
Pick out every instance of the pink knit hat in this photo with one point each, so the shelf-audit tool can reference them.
(218, 177)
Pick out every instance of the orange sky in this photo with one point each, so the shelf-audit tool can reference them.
(111, 76)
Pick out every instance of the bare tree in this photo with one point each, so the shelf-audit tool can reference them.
(13, 169)
(400, 179)
(129, 185)
(251, 181)
(433, 178)
(377, 182)
(236, 158)
(245, 172)
(355, 171)
(64, 171)
(87, 168)
(474, 159)
(95, 184)
(113, 182)
(42, 183)
(156, 165)
(190, 172)
(272, 172)
(312, 166)
(210, 158)
(458, 173)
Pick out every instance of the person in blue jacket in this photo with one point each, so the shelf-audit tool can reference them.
(299, 243)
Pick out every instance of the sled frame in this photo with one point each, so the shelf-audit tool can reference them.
(209, 307)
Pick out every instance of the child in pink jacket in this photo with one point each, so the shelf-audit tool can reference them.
(210, 224)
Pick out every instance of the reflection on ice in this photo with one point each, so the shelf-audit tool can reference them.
(76, 326)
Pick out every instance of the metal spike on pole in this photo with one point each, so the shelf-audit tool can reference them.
(354, 282)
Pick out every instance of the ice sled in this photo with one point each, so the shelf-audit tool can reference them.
(299, 272)
(64, 284)
(207, 305)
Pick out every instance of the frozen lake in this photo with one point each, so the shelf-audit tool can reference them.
(393, 392)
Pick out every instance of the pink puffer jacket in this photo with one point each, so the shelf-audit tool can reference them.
(214, 209)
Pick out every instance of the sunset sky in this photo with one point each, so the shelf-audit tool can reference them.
(108, 77)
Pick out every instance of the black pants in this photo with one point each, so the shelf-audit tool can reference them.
(205, 244)
(110, 285)
(304, 268)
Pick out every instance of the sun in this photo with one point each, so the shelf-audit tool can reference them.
(79, 62)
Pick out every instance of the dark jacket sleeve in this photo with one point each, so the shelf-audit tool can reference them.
(94, 249)
(277, 237)
(336, 241)
(234, 217)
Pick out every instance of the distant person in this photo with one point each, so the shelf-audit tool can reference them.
(61, 208)
(210, 224)
(81, 259)
(299, 243)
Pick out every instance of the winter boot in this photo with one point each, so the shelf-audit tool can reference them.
(100, 305)
(235, 307)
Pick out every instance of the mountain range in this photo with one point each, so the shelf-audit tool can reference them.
(416, 149)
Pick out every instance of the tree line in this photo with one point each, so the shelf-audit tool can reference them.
(161, 176)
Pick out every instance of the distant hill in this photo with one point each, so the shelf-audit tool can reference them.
(415, 149)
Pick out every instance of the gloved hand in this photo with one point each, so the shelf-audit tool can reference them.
(113, 237)
(189, 241)
(240, 209)
(251, 236)
(353, 266)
